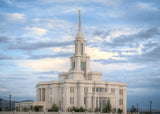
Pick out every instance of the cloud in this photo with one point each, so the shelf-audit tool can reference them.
(8, 1)
(47, 64)
(132, 40)
(38, 45)
(96, 54)
(36, 31)
(104, 67)
(16, 17)
(2, 57)
(3, 90)
(146, 6)
(49, 56)
(3, 39)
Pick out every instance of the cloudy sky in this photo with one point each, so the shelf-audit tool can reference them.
(122, 39)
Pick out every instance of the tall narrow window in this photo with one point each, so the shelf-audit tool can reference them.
(120, 101)
(81, 49)
(71, 100)
(74, 65)
(112, 90)
(86, 90)
(83, 66)
(84, 100)
(71, 89)
(121, 91)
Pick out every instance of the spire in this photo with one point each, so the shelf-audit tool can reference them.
(79, 35)
(79, 20)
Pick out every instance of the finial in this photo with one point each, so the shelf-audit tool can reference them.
(79, 20)
(79, 11)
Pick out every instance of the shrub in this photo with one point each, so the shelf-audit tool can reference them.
(114, 110)
(97, 110)
(36, 108)
(120, 110)
(25, 109)
(133, 109)
(107, 108)
(54, 108)
(75, 109)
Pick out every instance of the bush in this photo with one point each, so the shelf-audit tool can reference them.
(114, 110)
(54, 108)
(120, 110)
(97, 110)
(25, 109)
(133, 109)
(76, 109)
(107, 108)
(36, 108)
(31, 108)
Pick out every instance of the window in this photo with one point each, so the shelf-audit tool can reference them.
(93, 89)
(71, 89)
(101, 90)
(86, 90)
(84, 100)
(121, 91)
(71, 100)
(61, 90)
(74, 65)
(112, 90)
(81, 49)
(43, 94)
(83, 67)
(120, 101)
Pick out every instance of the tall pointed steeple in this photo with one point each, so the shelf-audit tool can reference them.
(79, 35)
(79, 20)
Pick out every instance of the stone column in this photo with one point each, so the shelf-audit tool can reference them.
(94, 103)
(41, 95)
(88, 102)
(47, 94)
(78, 64)
(80, 95)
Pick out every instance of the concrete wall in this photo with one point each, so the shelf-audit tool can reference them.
(54, 113)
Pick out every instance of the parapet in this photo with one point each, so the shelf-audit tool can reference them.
(95, 76)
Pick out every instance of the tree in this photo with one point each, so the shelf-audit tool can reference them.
(36, 108)
(133, 109)
(0, 109)
(120, 110)
(25, 109)
(54, 108)
(81, 109)
(75, 109)
(107, 108)
(114, 110)
(31, 107)
(97, 110)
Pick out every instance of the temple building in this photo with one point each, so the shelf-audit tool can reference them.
(80, 86)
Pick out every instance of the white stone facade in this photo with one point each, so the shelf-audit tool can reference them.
(80, 86)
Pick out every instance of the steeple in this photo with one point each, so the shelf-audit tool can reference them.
(79, 20)
(79, 35)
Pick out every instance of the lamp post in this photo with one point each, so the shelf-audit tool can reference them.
(150, 107)
(9, 102)
(137, 108)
